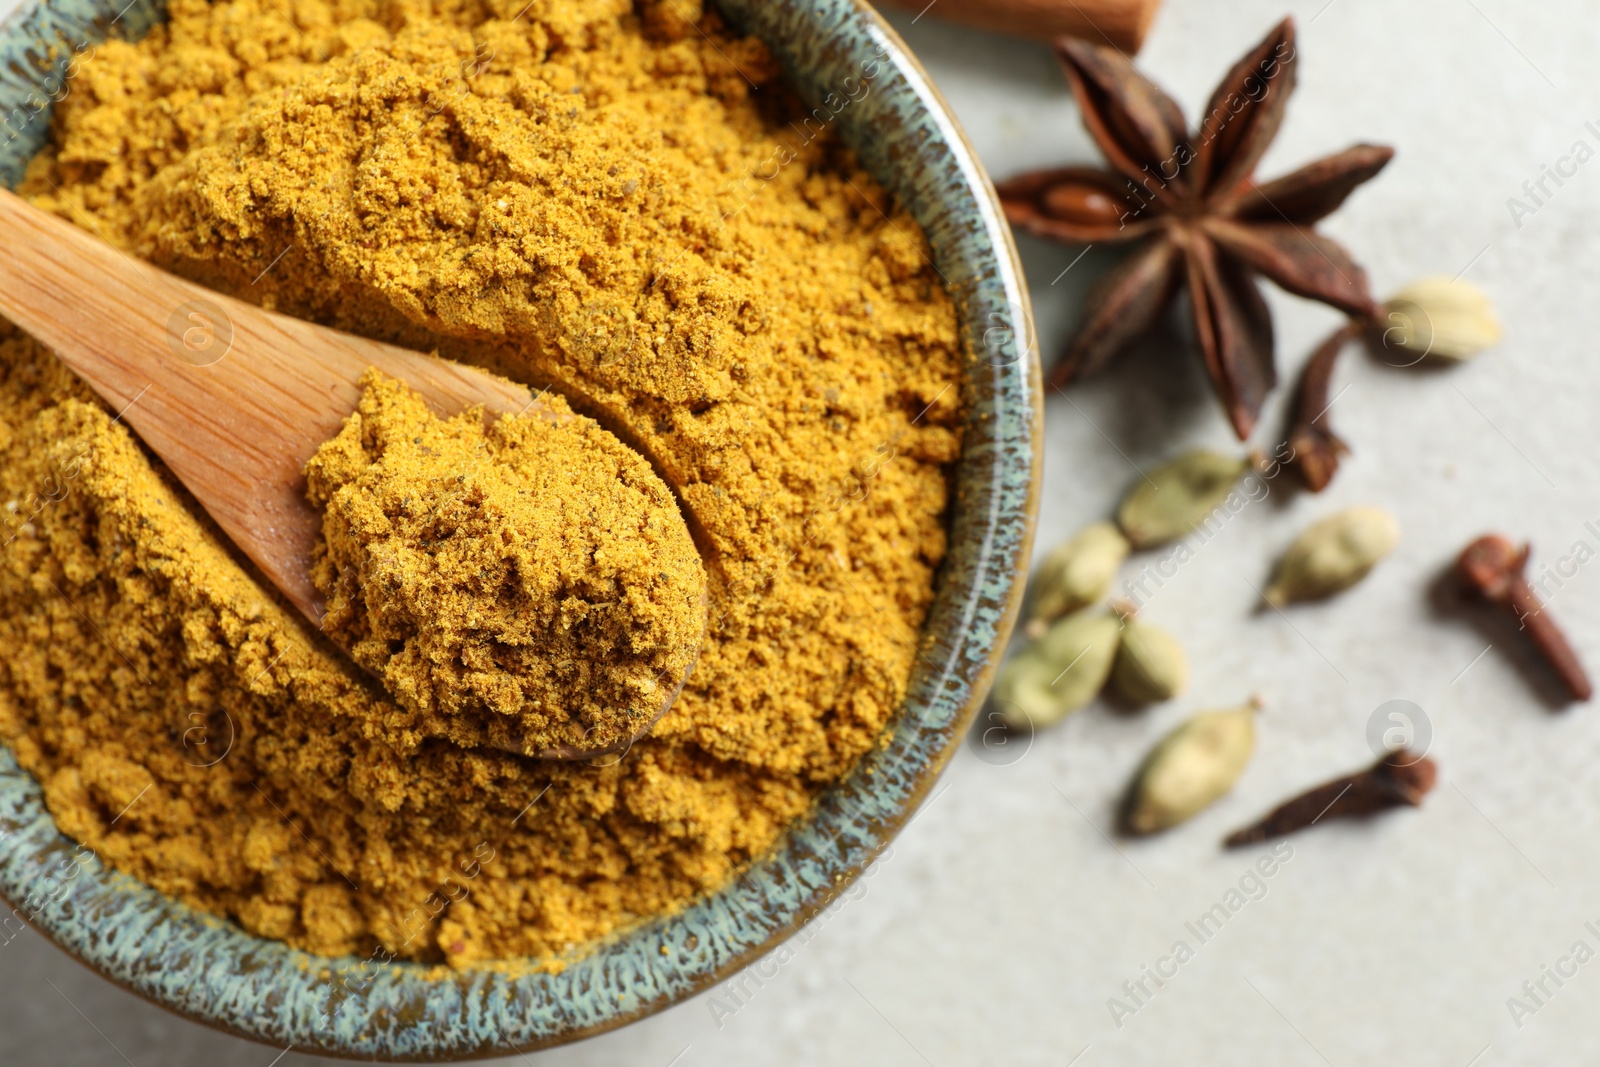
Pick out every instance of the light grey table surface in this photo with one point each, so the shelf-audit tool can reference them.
(1005, 919)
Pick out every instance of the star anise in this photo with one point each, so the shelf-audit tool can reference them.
(1200, 219)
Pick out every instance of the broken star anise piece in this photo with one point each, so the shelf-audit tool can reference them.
(1200, 219)
(1314, 449)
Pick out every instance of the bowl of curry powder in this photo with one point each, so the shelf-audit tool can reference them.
(750, 240)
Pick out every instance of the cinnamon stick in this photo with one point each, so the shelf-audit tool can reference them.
(1122, 24)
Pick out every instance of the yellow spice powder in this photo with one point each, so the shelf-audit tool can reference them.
(529, 586)
(573, 194)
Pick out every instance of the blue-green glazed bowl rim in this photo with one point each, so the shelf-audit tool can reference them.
(848, 63)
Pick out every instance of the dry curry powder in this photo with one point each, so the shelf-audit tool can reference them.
(618, 203)
(529, 585)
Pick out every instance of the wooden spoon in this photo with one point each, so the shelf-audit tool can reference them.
(234, 399)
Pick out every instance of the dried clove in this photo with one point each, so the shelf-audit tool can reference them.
(1494, 568)
(1401, 777)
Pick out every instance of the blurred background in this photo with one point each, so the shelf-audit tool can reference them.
(1007, 915)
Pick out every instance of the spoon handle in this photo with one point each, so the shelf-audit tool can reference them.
(234, 399)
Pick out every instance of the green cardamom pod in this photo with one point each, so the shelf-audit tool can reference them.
(1191, 767)
(1059, 673)
(1334, 554)
(1150, 666)
(1440, 317)
(1078, 573)
(1179, 496)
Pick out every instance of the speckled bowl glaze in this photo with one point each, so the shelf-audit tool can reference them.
(850, 64)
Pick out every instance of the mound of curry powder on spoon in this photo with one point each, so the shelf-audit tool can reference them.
(529, 585)
(623, 204)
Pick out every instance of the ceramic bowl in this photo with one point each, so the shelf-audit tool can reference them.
(844, 59)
